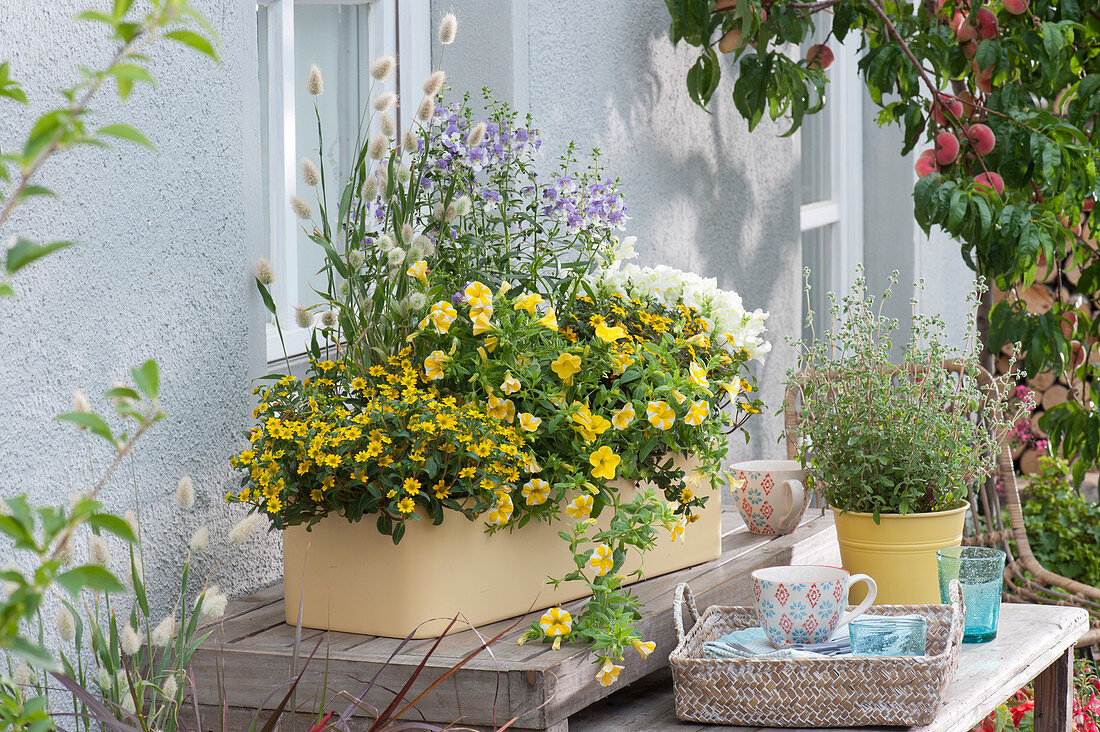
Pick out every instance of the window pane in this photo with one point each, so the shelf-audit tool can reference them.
(817, 254)
(335, 38)
(817, 154)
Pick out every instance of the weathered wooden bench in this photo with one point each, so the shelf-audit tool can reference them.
(1033, 642)
(250, 652)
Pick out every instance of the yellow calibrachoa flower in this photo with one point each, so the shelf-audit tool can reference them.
(643, 649)
(504, 409)
(697, 412)
(529, 422)
(419, 270)
(556, 621)
(660, 415)
(621, 361)
(732, 389)
(550, 320)
(604, 462)
(406, 505)
(622, 418)
(608, 673)
(442, 315)
(609, 334)
(602, 560)
(536, 491)
(499, 514)
(528, 303)
(677, 530)
(478, 295)
(678, 396)
(433, 365)
(698, 375)
(700, 340)
(580, 508)
(589, 425)
(481, 322)
(510, 385)
(566, 365)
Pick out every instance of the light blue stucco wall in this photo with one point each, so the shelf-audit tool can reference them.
(703, 194)
(166, 241)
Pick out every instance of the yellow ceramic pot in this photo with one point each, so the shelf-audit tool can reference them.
(899, 552)
(348, 577)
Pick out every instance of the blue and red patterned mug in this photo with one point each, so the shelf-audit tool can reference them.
(805, 604)
(770, 494)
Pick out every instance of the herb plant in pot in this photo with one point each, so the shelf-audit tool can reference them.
(894, 444)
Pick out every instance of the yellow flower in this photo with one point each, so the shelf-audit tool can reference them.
(643, 649)
(467, 472)
(491, 343)
(441, 490)
(698, 375)
(500, 513)
(699, 340)
(536, 491)
(580, 507)
(601, 560)
(510, 385)
(566, 365)
(589, 425)
(730, 339)
(622, 418)
(406, 505)
(678, 396)
(411, 486)
(528, 303)
(604, 462)
(529, 422)
(732, 389)
(660, 415)
(609, 334)
(433, 365)
(556, 621)
(503, 409)
(608, 673)
(478, 295)
(697, 412)
(550, 320)
(481, 322)
(677, 530)
(442, 315)
(419, 270)
(359, 383)
(621, 361)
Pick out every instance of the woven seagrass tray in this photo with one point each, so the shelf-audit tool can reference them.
(844, 691)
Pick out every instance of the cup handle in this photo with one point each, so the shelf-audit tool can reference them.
(798, 495)
(872, 591)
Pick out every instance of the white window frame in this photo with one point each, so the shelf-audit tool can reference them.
(401, 28)
(844, 210)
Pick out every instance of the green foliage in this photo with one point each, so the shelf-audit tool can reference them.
(1063, 527)
(886, 437)
(1033, 82)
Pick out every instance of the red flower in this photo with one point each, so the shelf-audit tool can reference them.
(1020, 710)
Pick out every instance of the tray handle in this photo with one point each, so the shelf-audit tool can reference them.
(683, 593)
(958, 613)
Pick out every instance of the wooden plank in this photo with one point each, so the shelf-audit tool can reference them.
(1031, 638)
(1054, 695)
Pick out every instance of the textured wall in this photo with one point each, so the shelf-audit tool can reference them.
(161, 271)
(702, 193)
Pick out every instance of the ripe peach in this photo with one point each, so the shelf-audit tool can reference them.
(945, 102)
(1068, 324)
(926, 163)
(967, 100)
(987, 24)
(1087, 205)
(947, 148)
(970, 49)
(1015, 7)
(730, 41)
(819, 56)
(982, 139)
(983, 78)
(964, 30)
(992, 181)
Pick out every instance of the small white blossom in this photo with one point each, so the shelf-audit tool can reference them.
(370, 188)
(424, 245)
(301, 208)
(355, 258)
(24, 675)
(211, 604)
(244, 528)
(477, 135)
(103, 679)
(407, 233)
(315, 83)
(395, 256)
(185, 493)
(98, 551)
(127, 699)
(129, 640)
(434, 83)
(66, 625)
(387, 124)
(265, 273)
(450, 213)
(311, 174)
(404, 175)
(426, 109)
(378, 147)
(64, 552)
(384, 101)
(382, 68)
(169, 687)
(200, 540)
(418, 301)
(448, 28)
(303, 318)
(80, 402)
(463, 205)
(131, 519)
(409, 141)
(328, 318)
(164, 632)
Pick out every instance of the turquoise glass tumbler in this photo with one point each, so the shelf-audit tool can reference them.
(980, 570)
(880, 635)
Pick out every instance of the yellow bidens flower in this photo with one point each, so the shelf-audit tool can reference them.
(580, 508)
(643, 649)
(419, 270)
(510, 385)
(481, 321)
(697, 412)
(550, 320)
(529, 422)
(411, 486)
(536, 491)
(622, 418)
(478, 296)
(698, 375)
(601, 560)
(442, 315)
(566, 366)
(677, 530)
(609, 334)
(502, 511)
(433, 365)
(528, 303)
(604, 462)
(608, 673)
(503, 409)
(556, 621)
(660, 415)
